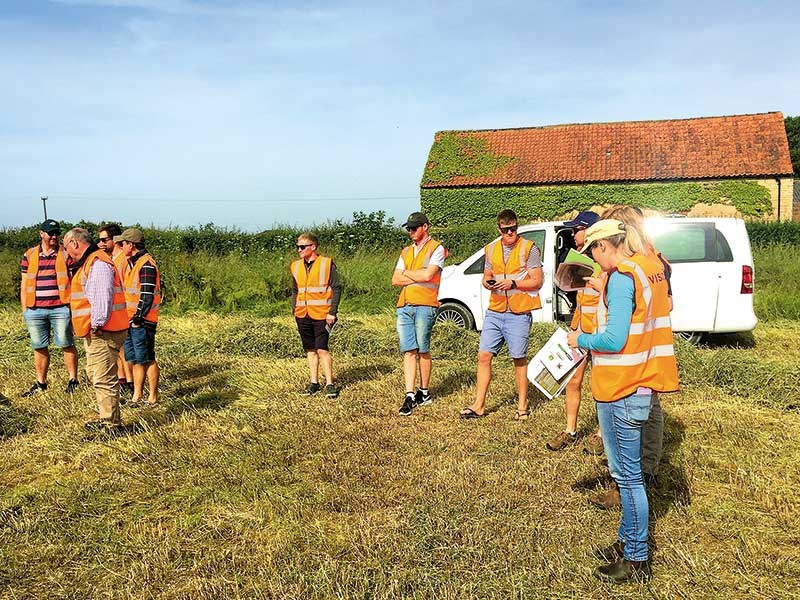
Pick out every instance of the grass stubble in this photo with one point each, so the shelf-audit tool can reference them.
(237, 487)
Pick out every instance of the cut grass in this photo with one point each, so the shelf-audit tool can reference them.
(238, 487)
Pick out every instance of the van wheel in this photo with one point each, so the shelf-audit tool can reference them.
(693, 337)
(457, 314)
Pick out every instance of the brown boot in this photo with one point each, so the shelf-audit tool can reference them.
(593, 445)
(608, 500)
(561, 440)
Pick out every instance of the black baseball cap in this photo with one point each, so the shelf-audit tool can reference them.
(50, 226)
(585, 218)
(416, 219)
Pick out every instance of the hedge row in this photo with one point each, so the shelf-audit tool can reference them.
(371, 232)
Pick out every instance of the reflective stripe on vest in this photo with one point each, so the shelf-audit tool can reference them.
(80, 307)
(423, 293)
(314, 293)
(648, 356)
(133, 289)
(29, 278)
(516, 300)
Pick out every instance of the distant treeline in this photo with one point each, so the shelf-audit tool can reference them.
(220, 269)
(367, 231)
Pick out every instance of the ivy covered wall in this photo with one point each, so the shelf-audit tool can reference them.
(452, 206)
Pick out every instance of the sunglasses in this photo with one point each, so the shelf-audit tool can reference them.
(509, 229)
(303, 246)
(103, 240)
(410, 229)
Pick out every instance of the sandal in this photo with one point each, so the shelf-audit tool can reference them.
(522, 415)
(468, 413)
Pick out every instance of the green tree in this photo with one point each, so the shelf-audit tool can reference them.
(793, 133)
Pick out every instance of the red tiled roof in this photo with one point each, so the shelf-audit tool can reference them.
(701, 148)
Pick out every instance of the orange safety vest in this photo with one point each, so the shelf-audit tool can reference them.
(421, 293)
(133, 289)
(585, 315)
(516, 300)
(648, 357)
(314, 292)
(79, 303)
(29, 278)
(120, 263)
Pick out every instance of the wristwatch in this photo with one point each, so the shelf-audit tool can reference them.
(513, 284)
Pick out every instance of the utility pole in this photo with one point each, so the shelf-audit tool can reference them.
(44, 205)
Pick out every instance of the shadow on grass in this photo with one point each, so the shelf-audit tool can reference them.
(197, 386)
(742, 339)
(353, 375)
(455, 382)
(14, 420)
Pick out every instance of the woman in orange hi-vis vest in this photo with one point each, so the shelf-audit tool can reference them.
(582, 320)
(316, 291)
(632, 357)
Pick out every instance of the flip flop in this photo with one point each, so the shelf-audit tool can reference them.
(468, 413)
(522, 415)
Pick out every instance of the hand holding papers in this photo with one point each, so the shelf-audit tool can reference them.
(553, 366)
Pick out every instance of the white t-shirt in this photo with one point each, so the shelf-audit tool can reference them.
(437, 258)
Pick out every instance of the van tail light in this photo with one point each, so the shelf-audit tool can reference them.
(747, 279)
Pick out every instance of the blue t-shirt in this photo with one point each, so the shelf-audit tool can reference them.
(619, 293)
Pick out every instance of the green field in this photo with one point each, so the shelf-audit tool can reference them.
(237, 487)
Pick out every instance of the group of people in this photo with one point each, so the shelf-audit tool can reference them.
(107, 292)
(622, 318)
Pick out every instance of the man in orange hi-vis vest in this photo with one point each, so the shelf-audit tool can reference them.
(105, 241)
(142, 283)
(316, 291)
(44, 296)
(418, 272)
(513, 274)
(99, 317)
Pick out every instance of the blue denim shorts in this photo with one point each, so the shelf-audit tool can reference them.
(140, 345)
(414, 324)
(40, 320)
(513, 329)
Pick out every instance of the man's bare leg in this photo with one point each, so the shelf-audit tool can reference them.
(313, 365)
(410, 370)
(425, 366)
(484, 378)
(326, 360)
(71, 361)
(153, 375)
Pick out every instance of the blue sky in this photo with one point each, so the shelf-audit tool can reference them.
(248, 114)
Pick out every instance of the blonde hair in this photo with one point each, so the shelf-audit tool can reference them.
(637, 240)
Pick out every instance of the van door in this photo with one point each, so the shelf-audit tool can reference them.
(691, 249)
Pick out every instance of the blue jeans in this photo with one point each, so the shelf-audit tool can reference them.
(414, 324)
(621, 424)
(40, 320)
(511, 328)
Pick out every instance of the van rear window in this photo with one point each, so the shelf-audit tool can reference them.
(692, 242)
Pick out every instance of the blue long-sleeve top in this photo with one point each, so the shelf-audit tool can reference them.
(619, 293)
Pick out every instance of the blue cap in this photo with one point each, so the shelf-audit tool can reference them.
(585, 218)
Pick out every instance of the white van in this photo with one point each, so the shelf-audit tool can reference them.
(712, 276)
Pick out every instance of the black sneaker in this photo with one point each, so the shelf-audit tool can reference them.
(36, 388)
(311, 389)
(408, 405)
(72, 386)
(422, 398)
(331, 391)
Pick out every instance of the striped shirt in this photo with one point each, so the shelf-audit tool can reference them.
(46, 285)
